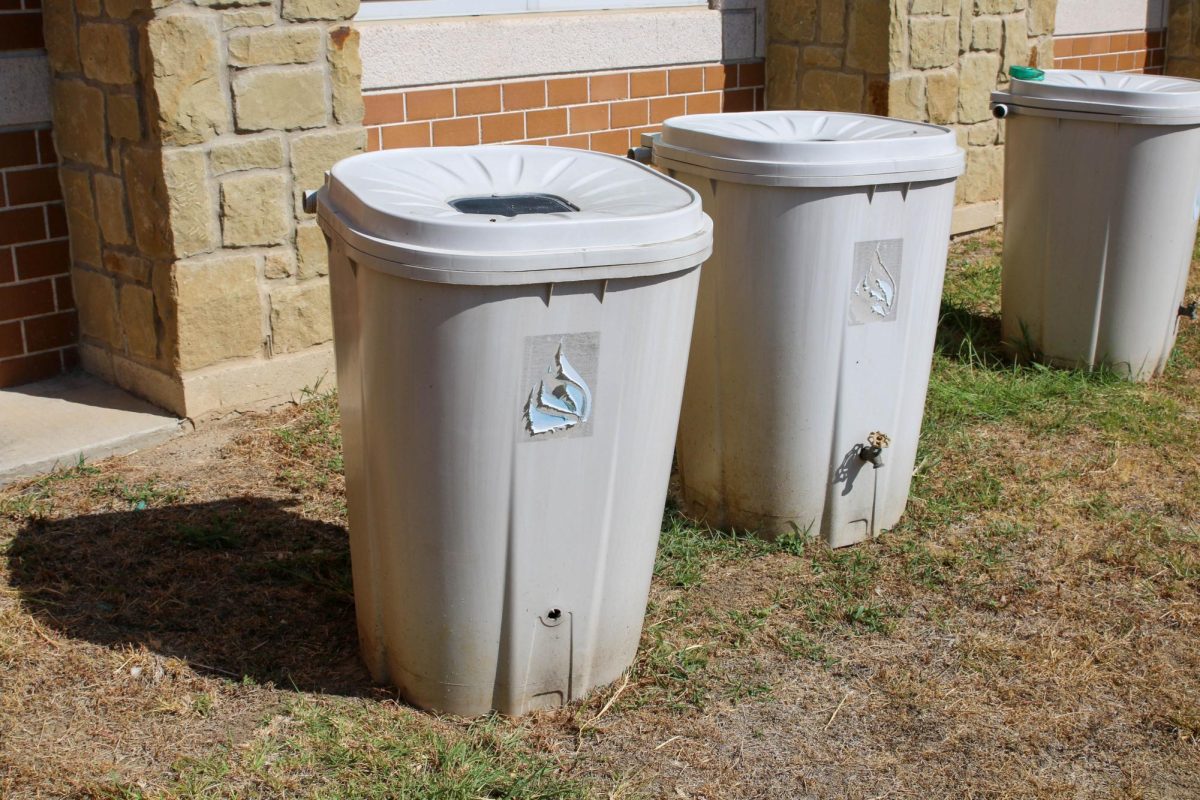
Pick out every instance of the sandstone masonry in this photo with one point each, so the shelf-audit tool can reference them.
(1183, 39)
(828, 54)
(188, 131)
(928, 60)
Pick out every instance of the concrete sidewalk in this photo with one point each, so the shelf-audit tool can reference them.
(53, 423)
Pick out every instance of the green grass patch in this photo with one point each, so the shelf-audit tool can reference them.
(150, 493)
(37, 499)
(311, 443)
(327, 749)
(976, 381)
(695, 652)
(686, 549)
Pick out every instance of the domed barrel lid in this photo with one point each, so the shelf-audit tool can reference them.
(1150, 99)
(510, 209)
(814, 148)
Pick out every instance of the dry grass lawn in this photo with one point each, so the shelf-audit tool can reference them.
(179, 623)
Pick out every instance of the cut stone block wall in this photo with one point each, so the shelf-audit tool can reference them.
(831, 55)
(927, 60)
(948, 57)
(187, 133)
(1183, 38)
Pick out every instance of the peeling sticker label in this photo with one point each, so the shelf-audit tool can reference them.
(875, 291)
(560, 379)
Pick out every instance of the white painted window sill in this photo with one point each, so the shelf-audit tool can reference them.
(426, 9)
(422, 52)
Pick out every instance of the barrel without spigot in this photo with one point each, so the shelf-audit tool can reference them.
(1101, 200)
(511, 328)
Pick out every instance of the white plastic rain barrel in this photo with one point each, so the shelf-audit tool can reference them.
(1101, 198)
(511, 329)
(816, 317)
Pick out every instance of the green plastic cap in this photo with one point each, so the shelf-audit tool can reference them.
(1027, 73)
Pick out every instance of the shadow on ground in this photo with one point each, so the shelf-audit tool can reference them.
(971, 337)
(239, 587)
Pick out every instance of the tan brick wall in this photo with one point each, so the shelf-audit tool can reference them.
(606, 112)
(187, 134)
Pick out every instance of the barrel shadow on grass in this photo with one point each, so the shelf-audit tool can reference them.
(972, 338)
(242, 588)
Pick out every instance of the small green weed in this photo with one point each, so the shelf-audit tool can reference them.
(37, 499)
(844, 595)
(742, 688)
(799, 644)
(150, 493)
(685, 549)
(311, 443)
(202, 704)
(217, 533)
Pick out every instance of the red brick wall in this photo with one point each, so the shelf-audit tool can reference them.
(38, 328)
(606, 112)
(1127, 51)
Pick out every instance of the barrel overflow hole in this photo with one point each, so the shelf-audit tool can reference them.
(512, 205)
